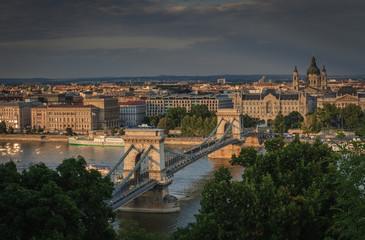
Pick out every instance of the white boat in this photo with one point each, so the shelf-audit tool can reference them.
(98, 141)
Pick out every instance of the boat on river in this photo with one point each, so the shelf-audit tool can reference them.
(97, 141)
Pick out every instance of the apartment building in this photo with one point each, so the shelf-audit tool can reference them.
(16, 114)
(132, 113)
(158, 105)
(108, 111)
(60, 117)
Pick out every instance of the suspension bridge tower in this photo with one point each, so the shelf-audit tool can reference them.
(224, 118)
(152, 143)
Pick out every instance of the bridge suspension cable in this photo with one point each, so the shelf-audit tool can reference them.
(121, 184)
(120, 161)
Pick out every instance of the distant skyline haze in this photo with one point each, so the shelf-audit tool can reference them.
(95, 38)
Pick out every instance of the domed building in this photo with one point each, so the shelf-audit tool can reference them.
(315, 79)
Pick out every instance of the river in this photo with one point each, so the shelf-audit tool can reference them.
(187, 185)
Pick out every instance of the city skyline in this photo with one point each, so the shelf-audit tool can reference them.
(179, 37)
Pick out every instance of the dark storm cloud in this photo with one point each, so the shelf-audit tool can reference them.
(203, 37)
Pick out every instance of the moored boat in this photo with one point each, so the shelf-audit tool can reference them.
(97, 141)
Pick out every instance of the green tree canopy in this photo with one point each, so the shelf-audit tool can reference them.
(3, 128)
(201, 111)
(352, 114)
(176, 115)
(280, 125)
(294, 120)
(166, 124)
(248, 121)
(294, 191)
(66, 203)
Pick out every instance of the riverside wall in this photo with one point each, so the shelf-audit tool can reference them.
(33, 138)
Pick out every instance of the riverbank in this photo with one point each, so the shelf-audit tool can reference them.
(33, 138)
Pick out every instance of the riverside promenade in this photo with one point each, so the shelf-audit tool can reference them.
(33, 138)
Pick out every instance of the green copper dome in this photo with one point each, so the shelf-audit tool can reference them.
(313, 69)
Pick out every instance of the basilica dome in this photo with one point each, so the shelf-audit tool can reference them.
(313, 69)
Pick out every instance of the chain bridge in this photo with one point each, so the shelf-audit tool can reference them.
(147, 168)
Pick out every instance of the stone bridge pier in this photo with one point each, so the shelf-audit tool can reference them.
(157, 199)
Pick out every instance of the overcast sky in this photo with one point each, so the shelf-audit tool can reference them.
(95, 38)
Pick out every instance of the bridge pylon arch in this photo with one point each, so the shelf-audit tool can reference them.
(229, 116)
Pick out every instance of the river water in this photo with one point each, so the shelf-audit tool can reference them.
(187, 185)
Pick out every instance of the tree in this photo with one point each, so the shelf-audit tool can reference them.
(154, 120)
(166, 124)
(288, 193)
(130, 230)
(39, 129)
(69, 132)
(201, 111)
(113, 131)
(66, 203)
(352, 115)
(294, 120)
(248, 121)
(311, 124)
(121, 131)
(176, 115)
(350, 207)
(11, 130)
(331, 112)
(3, 127)
(340, 135)
(280, 125)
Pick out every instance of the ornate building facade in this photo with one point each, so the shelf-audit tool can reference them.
(267, 104)
(315, 79)
(344, 97)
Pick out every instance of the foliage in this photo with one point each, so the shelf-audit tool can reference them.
(340, 135)
(352, 115)
(121, 131)
(294, 120)
(327, 115)
(201, 111)
(360, 130)
(154, 120)
(69, 132)
(248, 121)
(166, 124)
(11, 130)
(40, 130)
(28, 131)
(246, 157)
(66, 203)
(130, 230)
(311, 124)
(280, 125)
(176, 115)
(113, 131)
(288, 193)
(196, 126)
(349, 218)
(3, 127)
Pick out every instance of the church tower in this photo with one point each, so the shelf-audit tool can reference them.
(295, 79)
(324, 78)
(313, 75)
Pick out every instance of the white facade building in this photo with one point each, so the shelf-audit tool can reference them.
(132, 113)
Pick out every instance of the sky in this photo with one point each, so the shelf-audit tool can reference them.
(101, 38)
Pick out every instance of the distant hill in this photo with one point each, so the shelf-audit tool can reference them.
(159, 79)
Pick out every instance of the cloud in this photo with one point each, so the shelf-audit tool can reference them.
(187, 36)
